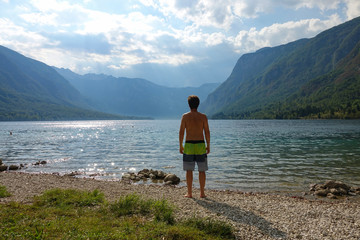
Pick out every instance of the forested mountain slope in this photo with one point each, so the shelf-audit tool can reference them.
(31, 90)
(273, 76)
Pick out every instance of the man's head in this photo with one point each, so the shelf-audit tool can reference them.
(193, 101)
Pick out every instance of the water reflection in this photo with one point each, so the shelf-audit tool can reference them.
(246, 155)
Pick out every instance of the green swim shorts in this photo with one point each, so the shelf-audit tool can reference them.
(195, 151)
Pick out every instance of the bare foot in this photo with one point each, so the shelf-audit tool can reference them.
(203, 196)
(188, 196)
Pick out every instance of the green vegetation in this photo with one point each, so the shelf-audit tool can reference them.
(73, 214)
(3, 192)
(315, 78)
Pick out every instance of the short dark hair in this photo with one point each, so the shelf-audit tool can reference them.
(193, 101)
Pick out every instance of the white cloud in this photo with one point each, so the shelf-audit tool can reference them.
(321, 4)
(19, 38)
(210, 13)
(170, 33)
(277, 34)
(200, 12)
(40, 18)
(133, 36)
(352, 9)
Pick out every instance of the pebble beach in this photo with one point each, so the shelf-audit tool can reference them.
(253, 215)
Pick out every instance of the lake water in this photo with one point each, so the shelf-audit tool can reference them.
(247, 155)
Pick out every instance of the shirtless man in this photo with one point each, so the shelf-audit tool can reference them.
(196, 125)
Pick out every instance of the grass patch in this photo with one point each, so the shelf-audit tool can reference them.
(212, 227)
(69, 197)
(73, 214)
(133, 204)
(3, 192)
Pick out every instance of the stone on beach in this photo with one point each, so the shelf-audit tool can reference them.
(4, 167)
(14, 167)
(155, 175)
(332, 189)
(40, 163)
(172, 178)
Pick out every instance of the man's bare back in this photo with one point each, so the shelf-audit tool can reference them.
(196, 124)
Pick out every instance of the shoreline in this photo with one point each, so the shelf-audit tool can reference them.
(254, 215)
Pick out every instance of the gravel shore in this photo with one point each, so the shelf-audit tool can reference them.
(254, 215)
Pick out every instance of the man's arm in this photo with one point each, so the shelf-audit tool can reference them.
(207, 135)
(181, 135)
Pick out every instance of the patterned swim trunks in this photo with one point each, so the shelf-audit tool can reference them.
(195, 151)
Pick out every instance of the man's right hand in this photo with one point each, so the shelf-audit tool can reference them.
(181, 149)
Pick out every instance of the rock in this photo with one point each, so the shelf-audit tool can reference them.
(338, 191)
(156, 176)
(14, 167)
(3, 168)
(333, 188)
(173, 178)
(160, 174)
(312, 187)
(126, 176)
(144, 171)
(322, 192)
(336, 184)
(40, 162)
(73, 174)
(331, 196)
(352, 193)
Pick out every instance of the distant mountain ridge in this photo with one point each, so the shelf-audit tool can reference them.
(307, 78)
(261, 83)
(32, 90)
(134, 96)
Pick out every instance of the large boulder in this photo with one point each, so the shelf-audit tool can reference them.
(172, 178)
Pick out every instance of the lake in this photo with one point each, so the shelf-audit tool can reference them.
(246, 155)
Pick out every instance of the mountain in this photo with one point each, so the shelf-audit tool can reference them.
(31, 90)
(265, 83)
(333, 95)
(134, 96)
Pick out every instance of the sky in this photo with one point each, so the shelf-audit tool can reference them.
(172, 43)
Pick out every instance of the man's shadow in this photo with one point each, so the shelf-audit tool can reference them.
(239, 215)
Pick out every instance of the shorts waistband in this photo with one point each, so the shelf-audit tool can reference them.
(195, 141)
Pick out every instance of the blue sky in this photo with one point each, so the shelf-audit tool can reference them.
(169, 42)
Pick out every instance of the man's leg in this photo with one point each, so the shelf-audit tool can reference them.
(202, 179)
(189, 180)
